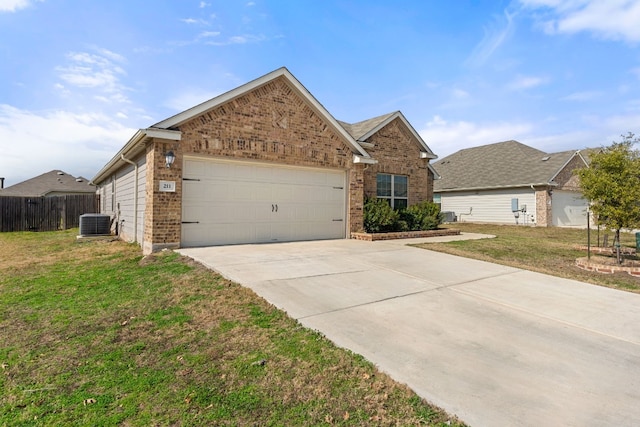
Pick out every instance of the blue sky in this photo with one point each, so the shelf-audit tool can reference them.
(78, 78)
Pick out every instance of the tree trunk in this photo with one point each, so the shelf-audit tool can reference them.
(617, 244)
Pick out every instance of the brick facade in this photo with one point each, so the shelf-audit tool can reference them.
(567, 179)
(269, 124)
(274, 120)
(398, 153)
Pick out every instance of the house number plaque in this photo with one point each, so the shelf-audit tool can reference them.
(167, 186)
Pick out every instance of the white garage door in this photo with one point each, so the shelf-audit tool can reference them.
(568, 209)
(228, 202)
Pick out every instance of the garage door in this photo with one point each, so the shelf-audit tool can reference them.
(228, 202)
(568, 209)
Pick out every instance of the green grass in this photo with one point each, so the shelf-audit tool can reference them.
(549, 250)
(94, 334)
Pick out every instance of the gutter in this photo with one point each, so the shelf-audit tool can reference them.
(498, 187)
(135, 197)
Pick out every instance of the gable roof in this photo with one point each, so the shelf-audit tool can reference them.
(55, 181)
(312, 102)
(500, 165)
(361, 131)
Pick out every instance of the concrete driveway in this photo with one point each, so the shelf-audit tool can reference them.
(495, 345)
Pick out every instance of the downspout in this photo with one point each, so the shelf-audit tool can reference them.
(135, 197)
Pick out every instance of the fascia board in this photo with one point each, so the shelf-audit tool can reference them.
(497, 187)
(364, 159)
(436, 175)
(133, 147)
(577, 153)
(398, 114)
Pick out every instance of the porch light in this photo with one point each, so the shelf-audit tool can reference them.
(169, 158)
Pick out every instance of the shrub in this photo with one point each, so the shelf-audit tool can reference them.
(424, 216)
(379, 217)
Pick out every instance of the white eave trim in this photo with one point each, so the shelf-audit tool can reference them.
(362, 159)
(497, 187)
(132, 148)
(427, 151)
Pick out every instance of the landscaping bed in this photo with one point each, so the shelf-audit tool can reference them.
(404, 234)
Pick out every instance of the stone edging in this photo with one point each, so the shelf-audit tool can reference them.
(591, 265)
(370, 237)
(609, 250)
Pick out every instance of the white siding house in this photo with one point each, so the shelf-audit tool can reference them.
(123, 198)
(511, 183)
(492, 206)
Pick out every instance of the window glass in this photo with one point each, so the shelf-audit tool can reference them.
(399, 186)
(399, 203)
(383, 185)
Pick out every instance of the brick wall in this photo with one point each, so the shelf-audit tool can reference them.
(398, 153)
(163, 215)
(271, 124)
(543, 208)
(566, 179)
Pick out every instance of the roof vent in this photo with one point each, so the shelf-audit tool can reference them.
(60, 173)
(79, 179)
(545, 158)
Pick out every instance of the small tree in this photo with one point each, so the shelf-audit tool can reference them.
(611, 183)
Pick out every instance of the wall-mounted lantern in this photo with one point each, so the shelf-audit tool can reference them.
(169, 158)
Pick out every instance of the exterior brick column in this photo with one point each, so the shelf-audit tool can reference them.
(356, 198)
(543, 208)
(163, 215)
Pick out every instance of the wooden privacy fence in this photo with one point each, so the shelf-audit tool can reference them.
(45, 213)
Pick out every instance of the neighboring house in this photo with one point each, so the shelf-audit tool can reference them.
(53, 183)
(511, 183)
(264, 162)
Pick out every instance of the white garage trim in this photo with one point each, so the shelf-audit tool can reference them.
(234, 202)
(568, 209)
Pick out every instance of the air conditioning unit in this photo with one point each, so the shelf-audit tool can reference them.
(449, 216)
(95, 225)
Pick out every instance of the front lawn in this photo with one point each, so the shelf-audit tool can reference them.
(93, 334)
(549, 250)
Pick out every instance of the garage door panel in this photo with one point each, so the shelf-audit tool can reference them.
(569, 209)
(235, 203)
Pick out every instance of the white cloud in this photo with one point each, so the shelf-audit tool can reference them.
(204, 4)
(13, 5)
(582, 96)
(243, 39)
(192, 21)
(608, 19)
(98, 72)
(446, 137)
(188, 98)
(79, 144)
(526, 82)
(494, 37)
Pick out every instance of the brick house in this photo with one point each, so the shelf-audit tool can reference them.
(263, 162)
(511, 183)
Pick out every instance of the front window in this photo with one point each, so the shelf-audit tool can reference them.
(393, 188)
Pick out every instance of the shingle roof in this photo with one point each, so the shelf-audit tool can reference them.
(358, 130)
(503, 164)
(55, 181)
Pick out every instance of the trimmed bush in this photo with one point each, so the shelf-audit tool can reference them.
(379, 217)
(425, 216)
